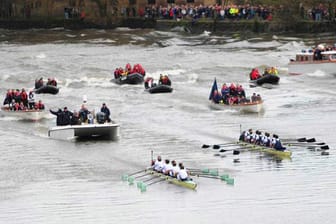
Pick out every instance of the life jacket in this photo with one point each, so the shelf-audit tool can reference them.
(128, 67)
(254, 74)
(24, 96)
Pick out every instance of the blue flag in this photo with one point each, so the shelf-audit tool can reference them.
(214, 87)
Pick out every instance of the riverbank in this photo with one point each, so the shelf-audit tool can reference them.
(217, 26)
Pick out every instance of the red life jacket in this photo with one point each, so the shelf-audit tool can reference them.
(128, 67)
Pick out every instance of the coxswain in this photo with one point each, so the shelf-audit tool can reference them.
(182, 174)
(158, 164)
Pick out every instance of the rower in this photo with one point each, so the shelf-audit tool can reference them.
(257, 138)
(263, 139)
(182, 174)
(175, 169)
(158, 165)
(166, 167)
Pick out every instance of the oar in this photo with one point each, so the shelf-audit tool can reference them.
(236, 149)
(140, 171)
(304, 139)
(223, 145)
(303, 143)
(156, 182)
(143, 186)
(146, 174)
(223, 177)
(324, 147)
(204, 172)
(231, 146)
(217, 145)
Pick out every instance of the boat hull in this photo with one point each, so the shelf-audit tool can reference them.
(110, 131)
(299, 68)
(32, 115)
(47, 89)
(270, 79)
(267, 150)
(132, 79)
(186, 184)
(254, 107)
(160, 89)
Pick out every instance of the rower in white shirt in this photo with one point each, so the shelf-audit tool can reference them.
(175, 169)
(166, 167)
(158, 164)
(182, 174)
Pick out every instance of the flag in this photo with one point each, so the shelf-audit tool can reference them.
(214, 87)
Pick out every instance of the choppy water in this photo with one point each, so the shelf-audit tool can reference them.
(51, 181)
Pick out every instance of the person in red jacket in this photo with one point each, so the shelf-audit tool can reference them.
(254, 74)
(24, 97)
(39, 105)
(128, 68)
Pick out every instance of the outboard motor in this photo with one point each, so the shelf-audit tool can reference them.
(100, 117)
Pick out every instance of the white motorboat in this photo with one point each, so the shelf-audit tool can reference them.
(305, 62)
(110, 131)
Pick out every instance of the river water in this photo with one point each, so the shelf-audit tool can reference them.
(49, 181)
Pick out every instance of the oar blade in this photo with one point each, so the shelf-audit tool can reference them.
(325, 147)
(205, 146)
(216, 146)
(302, 140)
(236, 152)
(311, 140)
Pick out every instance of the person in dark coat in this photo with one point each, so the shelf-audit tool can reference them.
(63, 117)
(59, 115)
(38, 83)
(106, 111)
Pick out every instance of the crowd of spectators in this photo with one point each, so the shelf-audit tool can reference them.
(206, 11)
(229, 12)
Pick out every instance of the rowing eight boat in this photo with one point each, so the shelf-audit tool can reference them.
(267, 150)
(187, 184)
